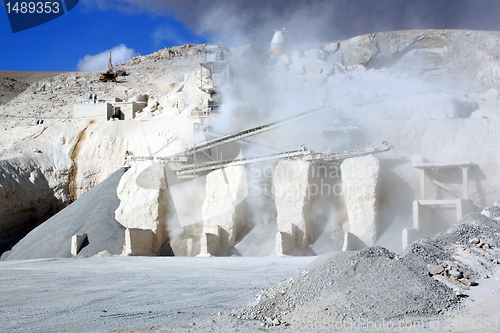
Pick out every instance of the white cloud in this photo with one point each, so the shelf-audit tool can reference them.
(121, 53)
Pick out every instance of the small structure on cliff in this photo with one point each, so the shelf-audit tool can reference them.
(106, 109)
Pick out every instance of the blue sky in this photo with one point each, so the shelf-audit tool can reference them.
(58, 45)
(146, 26)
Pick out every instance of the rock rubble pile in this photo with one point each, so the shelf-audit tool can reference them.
(425, 280)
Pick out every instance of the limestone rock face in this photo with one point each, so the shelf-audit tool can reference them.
(143, 200)
(360, 178)
(26, 197)
(332, 47)
(33, 185)
(103, 146)
(225, 190)
(47, 166)
(315, 54)
(336, 58)
(92, 215)
(291, 185)
(462, 59)
(185, 97)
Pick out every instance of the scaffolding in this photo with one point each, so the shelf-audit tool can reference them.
(214, 68)
(462, 203)
(215, 72)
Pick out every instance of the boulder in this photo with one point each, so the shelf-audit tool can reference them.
(297, 67)
(280, 67)
(338, 68)
(435, 269)
(317, 66)
(331, 47)
(312, 67)
(358, 50)
(284, 59)
(328, 69)
(315, 78)
(296, 56)
(336, 58)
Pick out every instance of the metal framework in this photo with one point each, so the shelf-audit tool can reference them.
(194, 148)
(189, 171)
(186, 166)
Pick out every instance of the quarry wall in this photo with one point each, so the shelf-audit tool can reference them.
(432, 95)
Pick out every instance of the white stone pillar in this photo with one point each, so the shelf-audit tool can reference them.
(144, 201)
(360, 177)
(291, 189)
(225, 190)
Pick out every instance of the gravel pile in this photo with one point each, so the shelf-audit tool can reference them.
(93, 214)
(424, 281)
(340, 286)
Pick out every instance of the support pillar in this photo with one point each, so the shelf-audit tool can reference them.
(77, 242)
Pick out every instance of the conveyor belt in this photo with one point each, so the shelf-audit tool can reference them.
(190, 171)
(249, 132)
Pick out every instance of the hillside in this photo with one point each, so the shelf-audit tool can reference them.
(12, 83)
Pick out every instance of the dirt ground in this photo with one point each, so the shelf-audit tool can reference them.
(176, 294)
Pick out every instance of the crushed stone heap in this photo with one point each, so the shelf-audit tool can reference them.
(427, 279)
(92, 215)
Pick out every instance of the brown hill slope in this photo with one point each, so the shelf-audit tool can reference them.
(12, 83)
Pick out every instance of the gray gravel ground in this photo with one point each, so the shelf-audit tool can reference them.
(134, 293)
